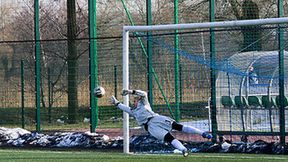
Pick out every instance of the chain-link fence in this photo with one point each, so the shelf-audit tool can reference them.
(17, 66)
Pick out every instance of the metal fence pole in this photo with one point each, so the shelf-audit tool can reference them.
(281, 75)
(49, 95)
(37, 63)
(22, 95)
(149, 52)
(93, 67)
(213, 72)
(176, 46)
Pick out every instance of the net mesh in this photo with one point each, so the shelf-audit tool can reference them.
(17, 44)
(243, 69)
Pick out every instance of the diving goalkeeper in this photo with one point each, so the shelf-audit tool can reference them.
(158, 126)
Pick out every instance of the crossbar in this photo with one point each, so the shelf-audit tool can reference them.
(222, 24)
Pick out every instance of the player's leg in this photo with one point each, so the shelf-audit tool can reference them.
(176, 143)
(160, 127)
(190, 129)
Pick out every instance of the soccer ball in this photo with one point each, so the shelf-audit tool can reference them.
(99, 92)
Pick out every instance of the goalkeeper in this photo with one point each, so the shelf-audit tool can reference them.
(157, 125)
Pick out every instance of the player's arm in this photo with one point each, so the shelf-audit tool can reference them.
(139, 93)
(120, 105)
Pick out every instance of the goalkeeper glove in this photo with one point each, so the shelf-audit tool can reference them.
(114, 100)
(207, 135)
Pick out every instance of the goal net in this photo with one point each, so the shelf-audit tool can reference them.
(174, 63)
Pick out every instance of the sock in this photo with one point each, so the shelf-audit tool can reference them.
(189, 129)
(178, 145)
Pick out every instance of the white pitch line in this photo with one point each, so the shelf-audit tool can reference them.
(241, 157)
(244, 156)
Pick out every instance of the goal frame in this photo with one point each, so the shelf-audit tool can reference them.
(125, 58)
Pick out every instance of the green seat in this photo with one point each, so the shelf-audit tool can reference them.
(227, 101)
(254, 101)
(268, 103)
(278, 101)
(241, 101)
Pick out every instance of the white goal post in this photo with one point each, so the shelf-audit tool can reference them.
(127, 29)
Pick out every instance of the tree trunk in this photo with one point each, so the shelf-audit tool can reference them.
(72, 62)
(251, 34)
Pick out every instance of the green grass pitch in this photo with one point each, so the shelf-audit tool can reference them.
(16, 155)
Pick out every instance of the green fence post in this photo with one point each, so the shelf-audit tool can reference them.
(149, 52)
(37, 63)
(93, 67)
(115, 81)
(176, 57)
(115, 85)
(213, 72)
(49, 95)
(180, 88)
(22, 95)
(281, 75)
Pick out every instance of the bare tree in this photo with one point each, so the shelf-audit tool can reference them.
(54, 55)
(251, 34)
(72, 61)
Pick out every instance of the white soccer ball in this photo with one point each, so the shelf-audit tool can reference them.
(99, 92)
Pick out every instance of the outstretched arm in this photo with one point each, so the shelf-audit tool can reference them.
(121, 106)
(143, 97)
(139, 93)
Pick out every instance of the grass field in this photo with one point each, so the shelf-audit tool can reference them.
(16, 155)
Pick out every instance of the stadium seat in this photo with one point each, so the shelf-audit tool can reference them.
(267, 103)
(278, 101)
(241, 101)
(242, 104)
(227, 101)
(254, 101)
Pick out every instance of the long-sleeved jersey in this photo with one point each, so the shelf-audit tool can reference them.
(143, 110)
